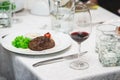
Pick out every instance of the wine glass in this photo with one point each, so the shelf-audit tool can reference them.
(81, 32)
(14, 18)
(62, 15)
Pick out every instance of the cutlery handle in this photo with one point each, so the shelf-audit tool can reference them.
(58, 59)
(49, 61)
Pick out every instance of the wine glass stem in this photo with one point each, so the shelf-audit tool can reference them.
(14, 14)
(81, 64)
(79, 50)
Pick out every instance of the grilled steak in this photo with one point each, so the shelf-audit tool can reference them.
(41, 43)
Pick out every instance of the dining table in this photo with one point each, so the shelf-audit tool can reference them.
(17, 66)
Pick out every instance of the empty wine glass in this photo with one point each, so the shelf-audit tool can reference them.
(81, 32)
(62, 15)
(14, 18)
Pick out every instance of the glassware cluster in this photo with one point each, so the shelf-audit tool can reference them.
(81, 32)
(74, 18)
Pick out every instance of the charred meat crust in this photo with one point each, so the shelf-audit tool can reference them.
(41, 43)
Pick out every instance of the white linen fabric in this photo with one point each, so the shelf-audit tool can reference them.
(21, 72)
(6, 66)
(19, 67)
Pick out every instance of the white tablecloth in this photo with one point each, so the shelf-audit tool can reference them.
(21, 65)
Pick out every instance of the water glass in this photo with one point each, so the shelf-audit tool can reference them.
(62, 15)
(108, 51)
(103, 29)
(108, 45)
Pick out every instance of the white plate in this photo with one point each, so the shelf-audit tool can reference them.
(62, 41)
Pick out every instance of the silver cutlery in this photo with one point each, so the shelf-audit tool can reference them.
(58, 59)
(4, 36)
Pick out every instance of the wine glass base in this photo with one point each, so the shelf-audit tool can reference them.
(78, 65)
(16, 21)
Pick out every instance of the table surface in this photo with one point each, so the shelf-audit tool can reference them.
(61, 70)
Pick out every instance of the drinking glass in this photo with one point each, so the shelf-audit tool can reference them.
(109, 50)
(5, 14)
(81, 32)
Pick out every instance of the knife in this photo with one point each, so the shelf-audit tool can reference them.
(58, 59)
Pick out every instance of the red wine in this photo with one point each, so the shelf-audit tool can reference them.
(84, 0)
(79, 36)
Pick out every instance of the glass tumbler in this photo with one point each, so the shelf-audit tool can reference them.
(5, 14)
(103, 29)
(108, 54)
(108, 45)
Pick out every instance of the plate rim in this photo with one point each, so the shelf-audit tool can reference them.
(36, 52)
